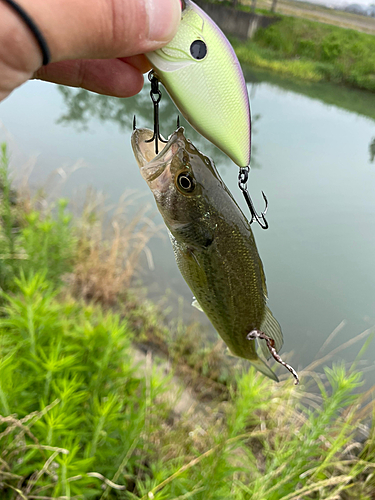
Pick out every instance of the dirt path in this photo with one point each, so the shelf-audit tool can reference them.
(321, 14)
(180, 397)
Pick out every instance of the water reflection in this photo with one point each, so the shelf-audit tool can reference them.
(372, 150)
(357, 101)
(83, 106)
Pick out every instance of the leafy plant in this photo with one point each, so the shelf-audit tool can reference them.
(66, 372)
(8, 222)
(31, 240)
(48, 242)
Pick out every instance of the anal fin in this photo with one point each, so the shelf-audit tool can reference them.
(270, 326)
(259, 365)
(262, 367)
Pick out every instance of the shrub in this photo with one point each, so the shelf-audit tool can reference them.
(70, 400)
(31, 240)
(48, 242)
(331, 48)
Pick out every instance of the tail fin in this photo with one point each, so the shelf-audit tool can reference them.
(262, 367)
(270, 326)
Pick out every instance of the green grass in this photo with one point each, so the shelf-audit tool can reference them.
(67, 369)
(32, 240)
(76, 413)
(79, 419)
(8, 219)
(312, 51)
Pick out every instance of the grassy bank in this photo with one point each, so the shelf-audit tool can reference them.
(320, 13)
(80, 419)
(312, 51)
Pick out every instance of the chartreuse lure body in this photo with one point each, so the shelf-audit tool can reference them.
(201, 73)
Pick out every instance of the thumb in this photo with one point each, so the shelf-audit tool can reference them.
(96, 29)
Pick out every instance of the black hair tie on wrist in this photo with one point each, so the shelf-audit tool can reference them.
(34, 29)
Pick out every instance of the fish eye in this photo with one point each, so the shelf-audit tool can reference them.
(186, 182)
(198, 49)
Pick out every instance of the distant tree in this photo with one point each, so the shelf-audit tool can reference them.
(273, 6)
(253, 5)
(234, 3)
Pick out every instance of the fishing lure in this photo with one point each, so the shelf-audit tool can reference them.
(201, 73)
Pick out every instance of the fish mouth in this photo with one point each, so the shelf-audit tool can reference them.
(152, 165)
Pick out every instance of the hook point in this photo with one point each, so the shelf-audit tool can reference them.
(266, 202)
(242, 183)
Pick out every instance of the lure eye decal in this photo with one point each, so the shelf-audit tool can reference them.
(186, 182)
(198, 49)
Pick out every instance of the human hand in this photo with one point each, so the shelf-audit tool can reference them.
(94, 44)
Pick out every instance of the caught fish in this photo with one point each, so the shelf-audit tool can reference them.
(201, 73)
(213, 244)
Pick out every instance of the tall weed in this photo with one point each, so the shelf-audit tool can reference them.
(48, 242)
(271, 443)
(31, 239)
(66, 372)
(8, 223)
(78, 419)
(109, 248)
(98, 253)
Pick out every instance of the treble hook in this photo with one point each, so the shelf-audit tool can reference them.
(242, 184)
(155, 97)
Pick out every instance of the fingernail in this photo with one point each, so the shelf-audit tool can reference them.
(163, 17)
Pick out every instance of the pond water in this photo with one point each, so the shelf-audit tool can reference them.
(312, 157)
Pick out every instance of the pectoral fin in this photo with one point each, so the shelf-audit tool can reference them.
(270, 327)
(196, 304)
